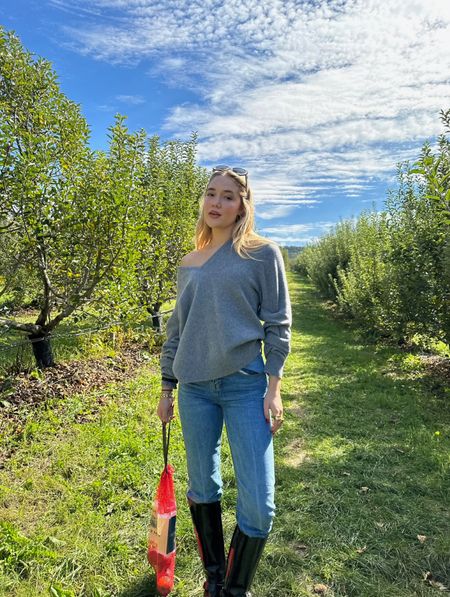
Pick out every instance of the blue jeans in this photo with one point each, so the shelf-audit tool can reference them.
(236, 399)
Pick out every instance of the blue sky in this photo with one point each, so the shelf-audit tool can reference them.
(319, 99)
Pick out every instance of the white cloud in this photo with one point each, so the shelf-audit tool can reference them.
(105, 108)
(133, 100)
(274, 209)
(324, 96)
(296, 233)
(275, 212)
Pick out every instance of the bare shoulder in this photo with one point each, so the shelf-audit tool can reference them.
(190, 258)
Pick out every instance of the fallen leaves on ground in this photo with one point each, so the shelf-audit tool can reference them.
(23, 393)
(422, 538)
(430, 580)
(362, 549)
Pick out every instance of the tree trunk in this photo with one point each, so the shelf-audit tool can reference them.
(42, 350)
(156, 317)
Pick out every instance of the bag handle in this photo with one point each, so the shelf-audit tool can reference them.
(166, 440)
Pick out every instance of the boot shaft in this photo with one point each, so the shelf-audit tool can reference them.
(243, 558)
(207, 519)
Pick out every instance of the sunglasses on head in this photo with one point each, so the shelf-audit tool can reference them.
(238, 171)
(224, 168)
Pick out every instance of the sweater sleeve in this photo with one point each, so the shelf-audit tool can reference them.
(169, 349)
(275, 311)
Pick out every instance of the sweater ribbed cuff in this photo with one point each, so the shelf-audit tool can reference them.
(275, 364)
(167, 382)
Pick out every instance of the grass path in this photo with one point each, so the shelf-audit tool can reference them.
(362, 480)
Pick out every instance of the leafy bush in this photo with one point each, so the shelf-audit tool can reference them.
(390, 271)
(322, 260)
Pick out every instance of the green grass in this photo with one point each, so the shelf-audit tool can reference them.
(362, 470)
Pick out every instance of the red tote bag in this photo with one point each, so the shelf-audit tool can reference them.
(161, 538)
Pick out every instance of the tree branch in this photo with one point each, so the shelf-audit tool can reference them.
(30, 328)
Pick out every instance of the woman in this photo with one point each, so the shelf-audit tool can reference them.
(233, 281)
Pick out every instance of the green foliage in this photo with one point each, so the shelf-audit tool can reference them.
(390, 271)
(64, 209)
(78, 227)
(419, 237)
(322, 260)
(364, 290)
(285, 254)
(435, 171)
(166, 194)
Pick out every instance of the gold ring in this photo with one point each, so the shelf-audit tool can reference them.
(279, 418)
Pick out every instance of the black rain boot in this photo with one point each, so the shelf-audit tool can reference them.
(243, 558)
(207, 519)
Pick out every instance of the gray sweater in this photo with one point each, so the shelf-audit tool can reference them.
(215, 328)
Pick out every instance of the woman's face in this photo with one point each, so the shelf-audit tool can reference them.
(222, 197)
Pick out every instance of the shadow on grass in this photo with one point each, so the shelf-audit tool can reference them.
(144, 586)
(362, 469)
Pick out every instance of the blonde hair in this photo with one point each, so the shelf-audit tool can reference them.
(244, 236)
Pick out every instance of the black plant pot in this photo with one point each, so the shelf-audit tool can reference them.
(42, 350)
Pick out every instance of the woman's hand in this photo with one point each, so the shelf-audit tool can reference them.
(273, 405)
(166, 408)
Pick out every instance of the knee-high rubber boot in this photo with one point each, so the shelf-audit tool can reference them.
(243, 558)
(207, 519)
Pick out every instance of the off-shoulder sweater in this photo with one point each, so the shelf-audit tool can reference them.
(224, 309)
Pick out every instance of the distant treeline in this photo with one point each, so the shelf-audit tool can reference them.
(390, 271)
